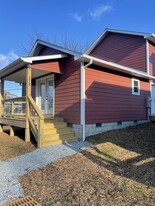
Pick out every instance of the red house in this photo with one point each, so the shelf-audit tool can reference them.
(70, 95)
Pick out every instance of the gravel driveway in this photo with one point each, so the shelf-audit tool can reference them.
(10, 170)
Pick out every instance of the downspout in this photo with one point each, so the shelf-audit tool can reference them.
(147, 57)
(148, 72)
(83, 112)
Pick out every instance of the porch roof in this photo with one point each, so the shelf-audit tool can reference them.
(16, 70)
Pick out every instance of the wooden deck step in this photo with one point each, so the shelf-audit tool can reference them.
(56, 142)
(58, 136)
(60, 130)
(48, 116)
(56, 131)
(55, 120)
(55, 125)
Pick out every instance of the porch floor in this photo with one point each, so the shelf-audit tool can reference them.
(15, 122)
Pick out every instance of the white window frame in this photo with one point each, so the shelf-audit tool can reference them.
(137, 80)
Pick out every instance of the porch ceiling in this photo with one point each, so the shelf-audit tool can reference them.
(20, 76)
(16, 72)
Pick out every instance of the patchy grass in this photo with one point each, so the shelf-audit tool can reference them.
(120, 170)
(13, 146)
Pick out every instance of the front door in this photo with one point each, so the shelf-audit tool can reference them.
(45, 95)
(153, 99)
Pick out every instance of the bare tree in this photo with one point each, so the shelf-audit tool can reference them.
(31, 39)
(65, 42)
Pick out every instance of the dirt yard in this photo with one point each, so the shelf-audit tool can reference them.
(119, 171)
(13, 146)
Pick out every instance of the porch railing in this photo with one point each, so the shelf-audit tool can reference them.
(14, 107)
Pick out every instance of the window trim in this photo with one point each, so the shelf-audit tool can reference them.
(135, 93)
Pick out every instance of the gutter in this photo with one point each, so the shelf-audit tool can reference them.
(83, 111)
(115, 66)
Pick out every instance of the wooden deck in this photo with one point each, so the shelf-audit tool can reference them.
(14, 122)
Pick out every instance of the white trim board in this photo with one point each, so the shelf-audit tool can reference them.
(147, 57)
(46, 57)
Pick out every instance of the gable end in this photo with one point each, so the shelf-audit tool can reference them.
(124, 49)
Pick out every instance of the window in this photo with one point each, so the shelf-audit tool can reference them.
(98, 125)
(135, 87)
(119, 123)
(70, 125)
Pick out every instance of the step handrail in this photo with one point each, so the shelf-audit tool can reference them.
(37, 130)
(35, 107)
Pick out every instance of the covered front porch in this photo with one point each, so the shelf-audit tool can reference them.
(34, 110)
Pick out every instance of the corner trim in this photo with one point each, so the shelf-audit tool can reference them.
(147, 57)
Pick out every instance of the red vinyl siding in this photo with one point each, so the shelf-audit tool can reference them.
(127, 50)
(152, 59)
(109, 98)
(67, 92)
(52, 66)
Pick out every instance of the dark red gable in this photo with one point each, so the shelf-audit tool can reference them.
(124, 49)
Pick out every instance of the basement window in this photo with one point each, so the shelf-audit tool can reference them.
(119, 123)
(70, 125)
(135, 87)
(98, 125)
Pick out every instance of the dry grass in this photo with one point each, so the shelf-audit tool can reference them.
(119, 171)
(13, 146)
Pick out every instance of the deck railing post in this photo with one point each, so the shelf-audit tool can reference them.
(40, 132)
(12, 108)
(1, 97)
(28, 93)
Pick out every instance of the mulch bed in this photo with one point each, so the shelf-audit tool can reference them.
(119, 171)
(13, 146)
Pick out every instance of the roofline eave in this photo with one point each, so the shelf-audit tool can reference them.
(114, 66)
